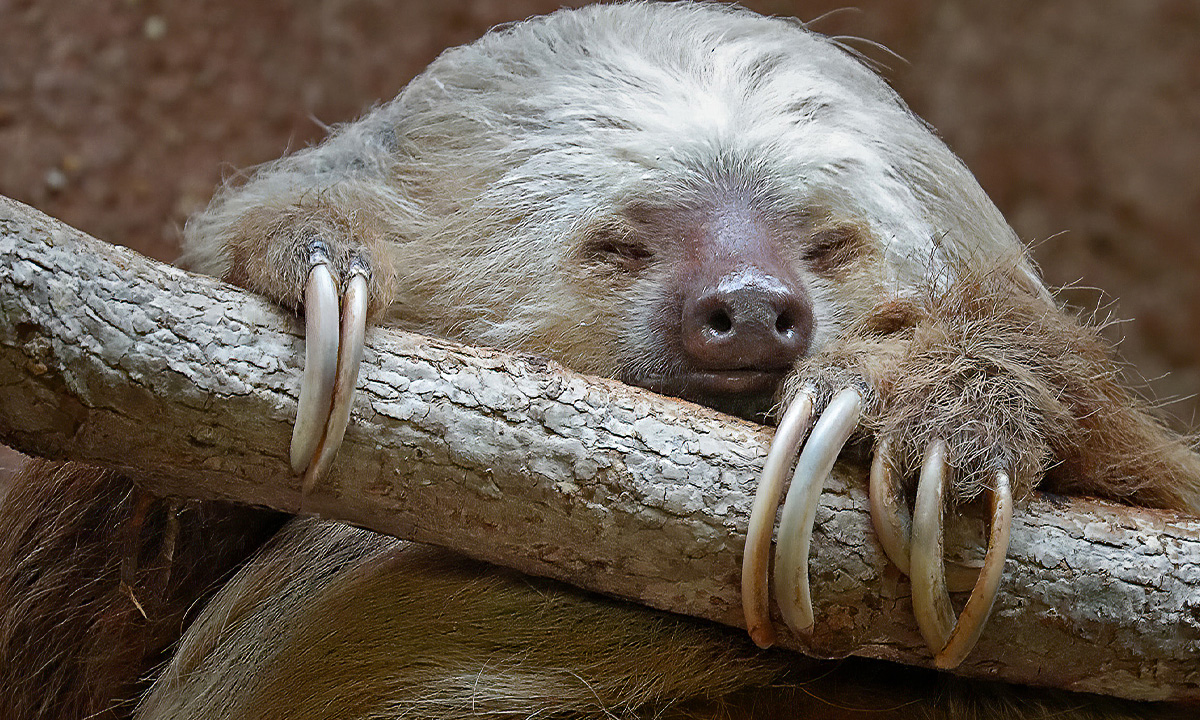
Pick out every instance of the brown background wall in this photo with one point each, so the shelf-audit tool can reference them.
(1080, 117)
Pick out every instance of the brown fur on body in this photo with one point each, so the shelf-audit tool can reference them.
(336, 622)
(1034, 393)
(98, 580)
(555, 188)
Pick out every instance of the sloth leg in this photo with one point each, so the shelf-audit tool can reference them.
(316, 245)
(980, 390)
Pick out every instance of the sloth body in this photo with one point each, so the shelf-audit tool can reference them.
(690, 198)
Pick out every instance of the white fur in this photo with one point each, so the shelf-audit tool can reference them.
(496, 158)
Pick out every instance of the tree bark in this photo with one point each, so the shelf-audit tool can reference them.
(190, 385)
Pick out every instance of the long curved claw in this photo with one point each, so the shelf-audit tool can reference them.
(349, 358)
(755, 599)
(948, 638)
(979, 606)
(892, 521)
(889, 513)
(320, 363)
(824, 444)
(931, 600)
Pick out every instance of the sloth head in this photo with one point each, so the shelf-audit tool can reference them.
(692, 216)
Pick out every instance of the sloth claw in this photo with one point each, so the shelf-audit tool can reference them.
(350, 352)
(755, 598)
(816, 461)
(890, 515)
(320, 364)
(951, 639)
(331, 360)
(892, 520)
(931, 600)
(979, 605)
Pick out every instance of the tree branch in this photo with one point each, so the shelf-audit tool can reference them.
(190, 385)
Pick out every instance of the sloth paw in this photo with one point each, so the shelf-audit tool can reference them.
(334, 334)
(914, 541)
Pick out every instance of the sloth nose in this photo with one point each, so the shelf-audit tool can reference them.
(747, 324)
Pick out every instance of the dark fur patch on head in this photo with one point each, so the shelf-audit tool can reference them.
(832, 248)
(615, 244)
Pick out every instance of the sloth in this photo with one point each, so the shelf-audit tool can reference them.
(690, 198)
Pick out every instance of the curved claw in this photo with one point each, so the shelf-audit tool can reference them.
(825, 442)
(889, 513)
(320, 364)
(892, 521)
(975, 614)
(349, 358)
(948, 638)
(788, 436)
(931, 600)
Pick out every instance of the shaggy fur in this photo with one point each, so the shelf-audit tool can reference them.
(1011, 388)
(480, 185)
(97, 581)
(408, 631)
(536, 191)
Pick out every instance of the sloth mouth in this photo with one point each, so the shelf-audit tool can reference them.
(721, 382)
(749, 394)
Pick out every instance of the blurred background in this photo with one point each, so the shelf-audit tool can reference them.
(1081, 118)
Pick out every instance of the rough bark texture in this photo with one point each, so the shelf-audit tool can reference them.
(190, 385)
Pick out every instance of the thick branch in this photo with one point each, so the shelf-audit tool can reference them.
(190, 385)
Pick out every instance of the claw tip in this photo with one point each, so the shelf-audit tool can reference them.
(763, 636)
(944, 662)
(299, 462)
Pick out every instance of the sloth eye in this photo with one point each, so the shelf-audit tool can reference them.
(829, 249)
(625, 253)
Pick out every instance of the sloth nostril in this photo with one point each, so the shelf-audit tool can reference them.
(720, 322)
(785, 324)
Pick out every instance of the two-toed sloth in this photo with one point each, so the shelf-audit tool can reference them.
(687, 197)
